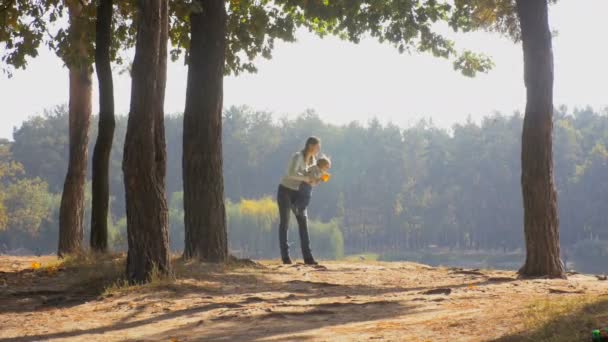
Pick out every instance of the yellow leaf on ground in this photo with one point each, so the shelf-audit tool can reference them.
(35, 265)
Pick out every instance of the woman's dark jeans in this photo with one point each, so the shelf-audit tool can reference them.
(285, 198)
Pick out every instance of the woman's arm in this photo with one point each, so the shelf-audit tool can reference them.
(301, 178)
(297, 169)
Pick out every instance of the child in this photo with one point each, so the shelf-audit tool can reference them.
(318, 173)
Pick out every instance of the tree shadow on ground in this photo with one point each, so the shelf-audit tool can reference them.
(118, 326)
(286, 322)
(39, 291)
(573, 325)
(245, 327)
(33, 291)
(246, 290)
(239, 291)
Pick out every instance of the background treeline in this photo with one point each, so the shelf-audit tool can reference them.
(399, 193)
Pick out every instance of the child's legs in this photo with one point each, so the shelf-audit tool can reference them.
(303, 197)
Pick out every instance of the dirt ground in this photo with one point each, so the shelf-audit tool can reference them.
(339, 301)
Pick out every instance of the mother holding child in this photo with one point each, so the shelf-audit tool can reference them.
(303, 172)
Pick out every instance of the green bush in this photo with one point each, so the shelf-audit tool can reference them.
(326, 239)
(117, 235)
(252, 232)
(251, 224)
(176, 221)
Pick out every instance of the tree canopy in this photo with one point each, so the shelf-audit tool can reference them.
(492, 15)
(253, 28)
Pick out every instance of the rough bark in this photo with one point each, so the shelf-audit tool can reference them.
(103, 145)
(541, 224)
(204, 210)
(144, 155)
(161, 148)
(71, 211)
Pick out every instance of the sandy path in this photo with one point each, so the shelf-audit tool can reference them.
(339, 302)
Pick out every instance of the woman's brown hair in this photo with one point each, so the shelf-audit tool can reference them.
(311, 141)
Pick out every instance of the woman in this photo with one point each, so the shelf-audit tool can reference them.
(288, 190)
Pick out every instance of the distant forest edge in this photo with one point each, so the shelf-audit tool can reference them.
(419, 193)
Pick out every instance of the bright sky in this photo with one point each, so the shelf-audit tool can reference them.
(345, 82)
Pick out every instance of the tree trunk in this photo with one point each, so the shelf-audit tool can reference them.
(103, 145)
(204, 211)
(541, 224)
(144, 153)
(161, 148)
(71, 211)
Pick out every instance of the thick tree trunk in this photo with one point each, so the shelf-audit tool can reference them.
(144, 155)
(103, 145)
(204, 211)
(541, 224)
(71, 211)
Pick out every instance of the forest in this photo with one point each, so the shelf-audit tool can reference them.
(155, 226)
(395, 191)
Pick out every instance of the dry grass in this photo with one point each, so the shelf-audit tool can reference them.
(83, 269)
(565, 320)
(181, 271)
(93, 269)
(121, 285)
